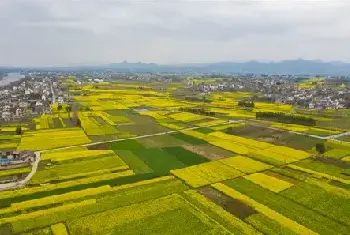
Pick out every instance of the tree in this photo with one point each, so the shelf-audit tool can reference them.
(68, 110)
(78, 123)
(18, 130)
(320, 148)
(59, 107)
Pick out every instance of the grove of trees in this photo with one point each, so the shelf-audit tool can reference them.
(286, 118)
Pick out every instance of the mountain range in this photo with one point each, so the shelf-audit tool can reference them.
(293, 67)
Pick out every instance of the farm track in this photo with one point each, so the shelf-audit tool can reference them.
(22, 183)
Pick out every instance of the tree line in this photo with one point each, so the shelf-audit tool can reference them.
(247, 104)
(199, 111)
(286, 118)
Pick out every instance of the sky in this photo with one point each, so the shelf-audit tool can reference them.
(92, 32)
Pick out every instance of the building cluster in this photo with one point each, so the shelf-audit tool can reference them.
(332, 93)
(31, 95)
(16, 158)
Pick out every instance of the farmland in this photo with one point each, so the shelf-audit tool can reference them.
(142, 161)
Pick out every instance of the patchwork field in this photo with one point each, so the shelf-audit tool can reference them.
(139, 164)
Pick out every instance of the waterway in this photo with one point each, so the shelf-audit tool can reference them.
(11, 77)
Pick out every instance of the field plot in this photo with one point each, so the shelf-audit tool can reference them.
(209, 151)
(278, 137)
(262, 151)
(186, 117)
(172, 213)
(282, 209)
(142, 125)
(161, 141)
(306, 129)
(52, 138)
(78, 164)
(94, 124)
(338, 169)
(206, 173)
(9, 142)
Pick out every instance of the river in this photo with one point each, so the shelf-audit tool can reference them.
(11, 77)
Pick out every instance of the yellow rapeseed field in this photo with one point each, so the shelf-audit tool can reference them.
(245, 164)
(59, 156)
(32, 215)
(59, 229)
(269, 182)
(206, 173)
(52, 138)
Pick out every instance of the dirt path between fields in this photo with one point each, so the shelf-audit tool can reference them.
(22, 183)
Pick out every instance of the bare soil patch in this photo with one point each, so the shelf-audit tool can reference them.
(281, 177)
(234, 206)
(103, 146)
(210, 152)
(333, 161)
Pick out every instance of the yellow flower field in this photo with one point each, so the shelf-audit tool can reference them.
(245, 164)
(269, 182)
(59, 156)
(56, 198)
(206, 173)
(186, 117)
(32, 215)
(59, 229)
(290, 152)
(52, 138)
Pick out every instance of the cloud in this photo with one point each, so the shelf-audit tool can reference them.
(51, 32)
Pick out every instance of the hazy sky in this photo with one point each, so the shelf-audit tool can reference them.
(75, 32)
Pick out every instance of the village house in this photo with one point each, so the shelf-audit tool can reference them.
(16, 157)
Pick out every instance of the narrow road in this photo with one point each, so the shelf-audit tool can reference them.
(53, 93)
(22, 183)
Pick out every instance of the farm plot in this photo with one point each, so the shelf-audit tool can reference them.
(96, 125)
(269, 182)
(328, 203)
(341, 171)
(100, 163)
(142, 125)
(245, 164)
(9, 142)
(92, 201)
(173, 213)
(206, 173)
(160, 141)
(337, 153)
(43, 139)
(209, 151)
(186, 117)
(284, 210)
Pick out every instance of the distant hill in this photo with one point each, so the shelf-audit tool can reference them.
(305, 67)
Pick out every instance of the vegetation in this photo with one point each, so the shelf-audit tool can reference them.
(130, 158)
(286, 118)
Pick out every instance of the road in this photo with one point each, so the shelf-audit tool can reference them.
(22, 183)
(53, 93)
